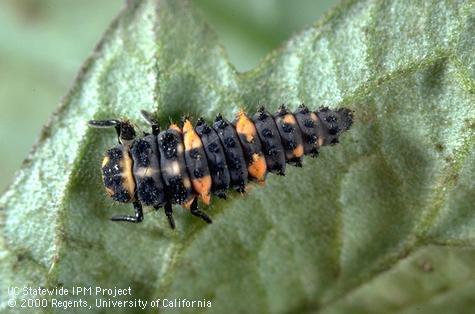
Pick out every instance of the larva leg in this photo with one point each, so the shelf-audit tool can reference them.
(198, 213)
(169, 213)
(136, 219)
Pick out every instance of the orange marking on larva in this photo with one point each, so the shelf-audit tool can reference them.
(186, 182)
(187, 204)
(245, 126)
(105, 161)
(187, 126)
(109, 191)
(258, 167)
(206, 198)
(127, 175)
(289, 119)
(320, 141)
(190, 137)
(313, 116)
(175, 127)
(298, 151)
(202, 186)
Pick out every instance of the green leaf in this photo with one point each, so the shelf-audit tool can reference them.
(328, 237)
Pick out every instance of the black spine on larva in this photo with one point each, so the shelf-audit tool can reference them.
(271, 142)
(290, 135)
(173, 167)
(216, 158)
(307, 121)
(234, 153)
(149, 185)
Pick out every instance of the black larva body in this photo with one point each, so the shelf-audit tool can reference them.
(180, 165)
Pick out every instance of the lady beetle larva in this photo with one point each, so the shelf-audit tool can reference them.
(181, 164)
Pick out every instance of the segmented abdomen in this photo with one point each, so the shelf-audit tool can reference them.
(181, 163)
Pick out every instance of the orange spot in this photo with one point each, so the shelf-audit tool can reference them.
(289, 119)
(245, 126)
(206, 198)
(314, 117)
(202, 186)
(298, 151)
(175, 127)
(105, 161)
(128, 181)
(258, 167)
(190, 137)
(187, 126)
(109, 191)
(320, 141)
(186, 182)
(187, 204)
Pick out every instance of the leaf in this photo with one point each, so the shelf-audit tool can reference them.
(328, 237)
(39, 72)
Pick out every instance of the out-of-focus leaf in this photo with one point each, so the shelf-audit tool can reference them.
(321, 238)
(250, 29)
(42, 49)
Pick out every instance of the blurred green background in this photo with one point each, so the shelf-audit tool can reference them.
(44, 42)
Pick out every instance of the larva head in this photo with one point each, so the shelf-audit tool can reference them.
(127, 132)
(334, 122)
